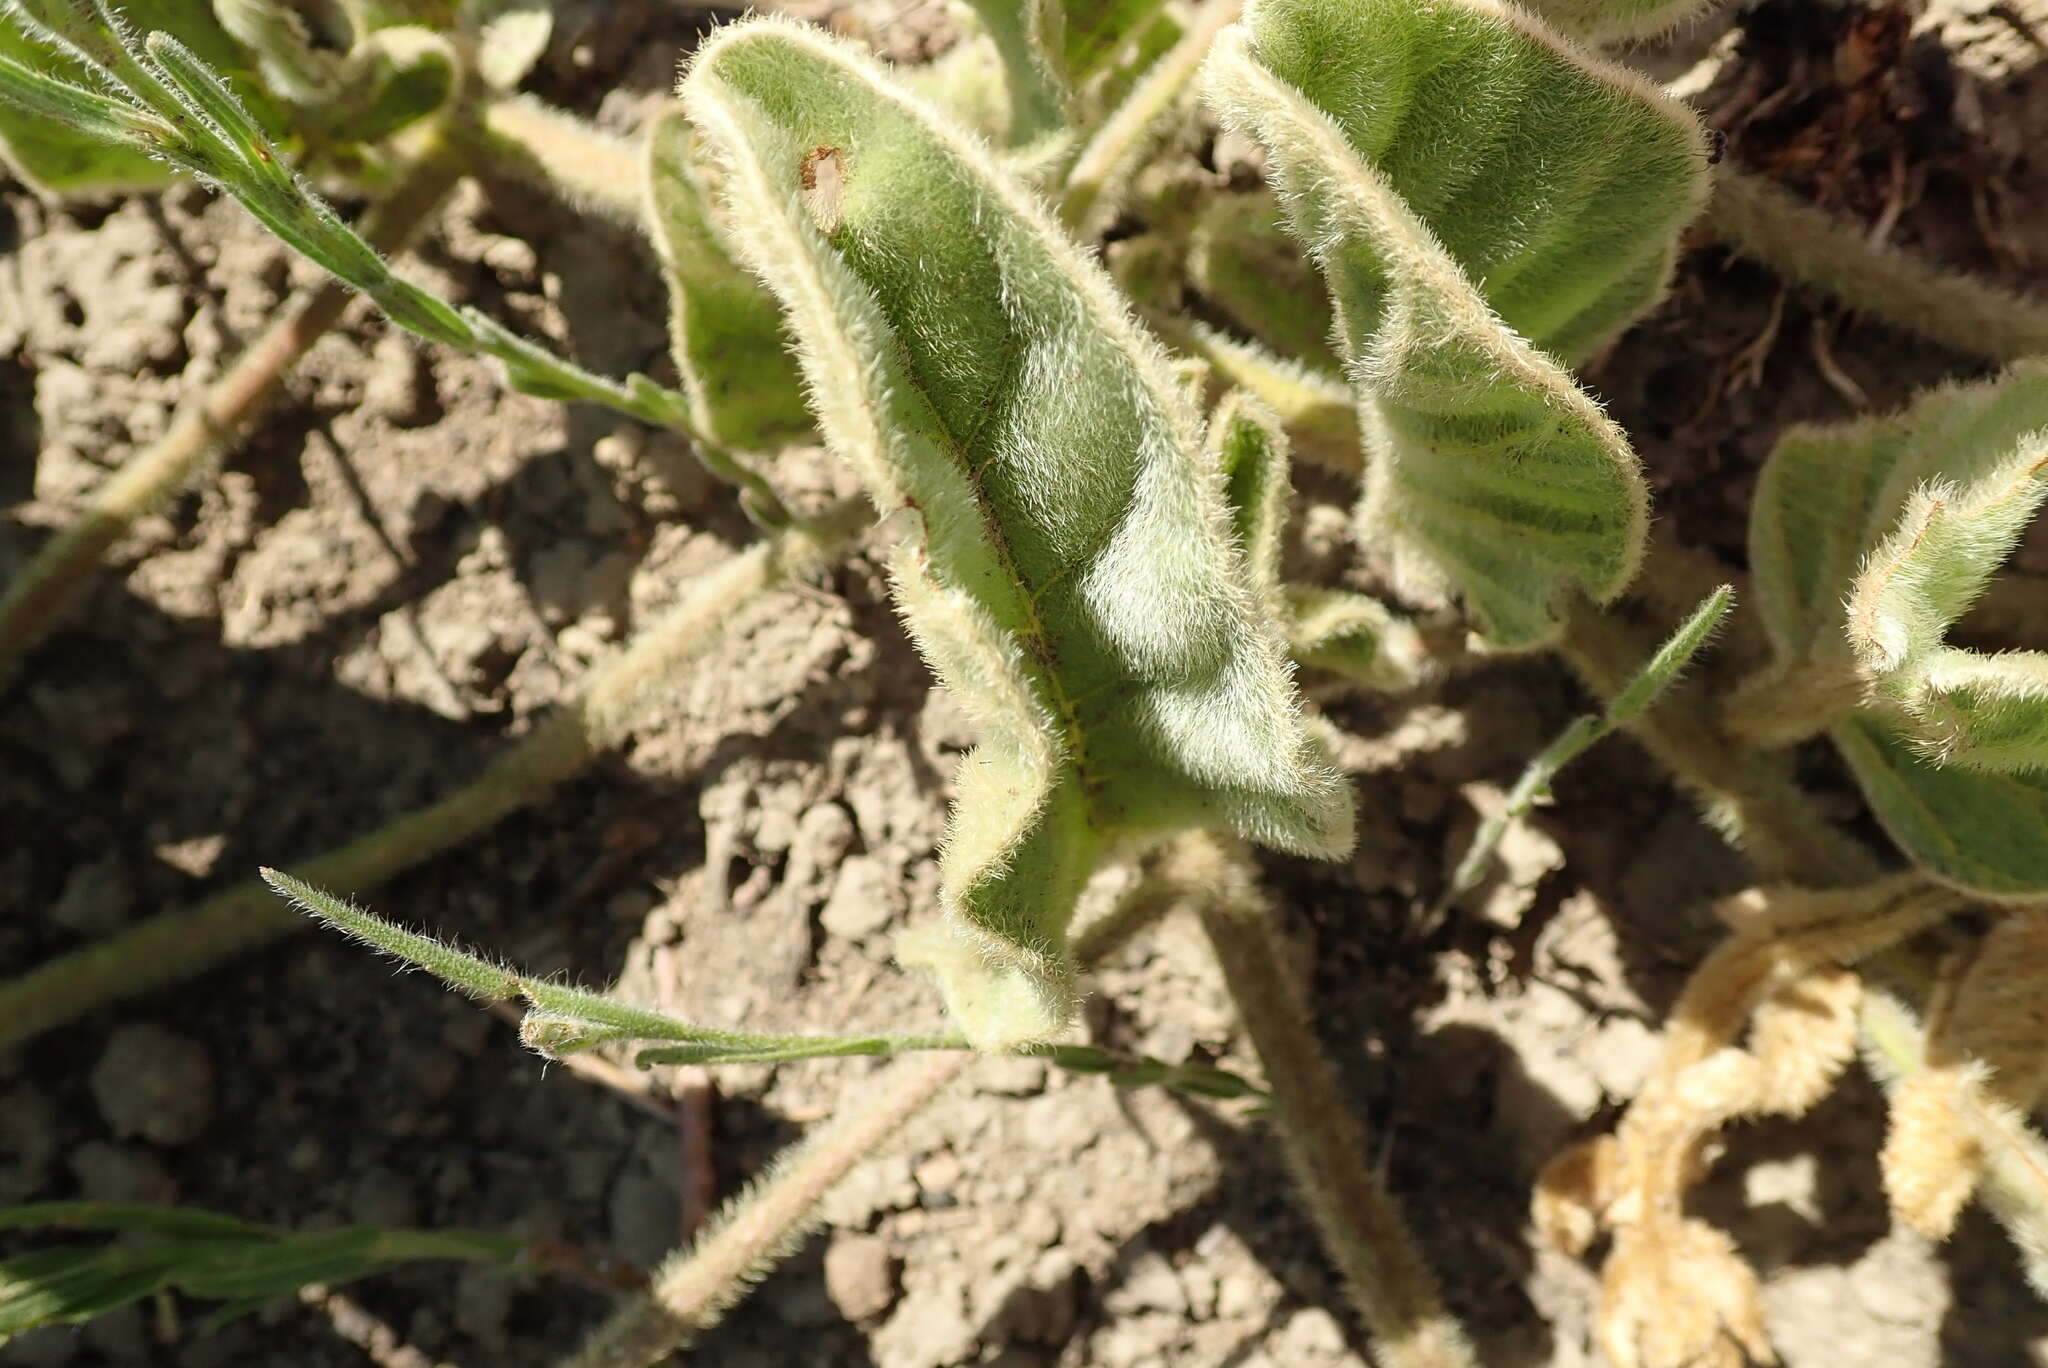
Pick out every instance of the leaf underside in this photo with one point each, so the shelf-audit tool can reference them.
(1071, 576)
(1401, 139)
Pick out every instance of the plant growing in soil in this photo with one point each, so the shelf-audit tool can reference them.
(1083, 469)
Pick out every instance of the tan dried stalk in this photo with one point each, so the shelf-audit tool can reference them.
(1975, 318)
(177, 945)
(1361, 1227)
(1985, 1053)
(694, 1288)
(1674, 1290)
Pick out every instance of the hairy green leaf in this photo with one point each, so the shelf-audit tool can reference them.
(1607, 20)
(561, 1020)
(59, 156)
(1355, 635)
(1827, 496)
(1912, 512)
(1070, 575)
(1242, 260)
(725, 329)
(1404, 140)
(1986, 712)
(1986, 833)
(1332, 629)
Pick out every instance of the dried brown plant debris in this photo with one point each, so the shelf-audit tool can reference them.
(1676, 1293)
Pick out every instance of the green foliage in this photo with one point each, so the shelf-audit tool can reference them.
(561, 1021)
(1608, 20)
(166, 98)
(1906, 517)
(1967, 709)
(1332, 629)
(1028, 36)
(1533, 787)
(201, 1254)
(1400, 139)
(1244, 262)
(1071, 579)
(53, 153)
(725, 329)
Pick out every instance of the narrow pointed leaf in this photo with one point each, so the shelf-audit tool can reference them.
(1071, 576)
(65, 158)
(1584, 732)
(561, 1020)
(1402, 138)
(466, 973)
(210, 1255)
(725, 329)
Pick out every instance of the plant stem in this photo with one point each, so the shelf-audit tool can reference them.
(1970, 316)
(695, 1287)
(51, 582)
(1361, 1226)
(1102, 173)
(595, 171)
(178, 945)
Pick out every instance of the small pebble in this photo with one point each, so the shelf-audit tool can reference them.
(155, 1084)
(861, 1275)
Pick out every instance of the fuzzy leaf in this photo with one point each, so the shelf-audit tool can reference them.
(1401, 139)
(1986, 833)
(725, 329)
(1851, 505)
(1071, 576)
(560, 1020)
(1355, 635)
(1242, 260)
(66, 161)
(1607, 20)
(1986, 712)
(1332, 629)
(1827, 496)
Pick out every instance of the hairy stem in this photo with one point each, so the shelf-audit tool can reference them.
(595, 171)
(695, 1287)
(38, 597)
(1326, 1148)
(1762, 220)
(178, 945)
(1103, 172)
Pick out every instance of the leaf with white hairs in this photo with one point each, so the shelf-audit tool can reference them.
(1401, 138)
(1071, 575)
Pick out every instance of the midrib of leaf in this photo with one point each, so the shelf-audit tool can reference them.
(1037, 641)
